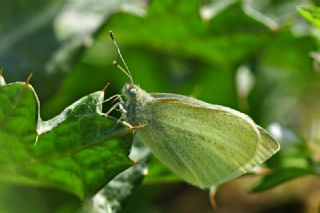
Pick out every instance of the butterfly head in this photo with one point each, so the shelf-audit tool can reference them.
(135, 94)
(131, 91)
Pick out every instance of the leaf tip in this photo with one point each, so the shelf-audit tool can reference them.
(105, 87)
(27, 82)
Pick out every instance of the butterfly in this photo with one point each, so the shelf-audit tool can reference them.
(205, 144)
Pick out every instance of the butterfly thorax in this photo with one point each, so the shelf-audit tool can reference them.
(136, 100)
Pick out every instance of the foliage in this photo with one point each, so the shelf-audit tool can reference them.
(259, 57)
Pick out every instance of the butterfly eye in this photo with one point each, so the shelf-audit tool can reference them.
(133, 92)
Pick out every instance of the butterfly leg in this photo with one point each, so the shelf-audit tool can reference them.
(132, 128)
(212, 196)
(120, 102)
(122, 109)
(261, 171)
(114, 98)
(111, 109)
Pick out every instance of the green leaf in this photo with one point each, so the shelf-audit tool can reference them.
(115, 196)
(231, 30)
(78, 151)
(312, 14)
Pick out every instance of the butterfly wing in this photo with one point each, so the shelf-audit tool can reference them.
(205, 144)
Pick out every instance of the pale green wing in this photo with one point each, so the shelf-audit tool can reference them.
(204, 144)
(267, 146)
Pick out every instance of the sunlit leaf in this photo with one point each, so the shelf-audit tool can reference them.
(78, 151)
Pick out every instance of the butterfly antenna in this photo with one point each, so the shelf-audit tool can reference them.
(126, 71)
(115, 63)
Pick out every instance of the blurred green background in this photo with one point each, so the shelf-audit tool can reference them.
(259, 57)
